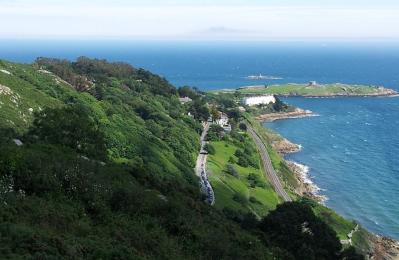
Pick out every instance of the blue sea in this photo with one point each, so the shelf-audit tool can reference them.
(351, 148)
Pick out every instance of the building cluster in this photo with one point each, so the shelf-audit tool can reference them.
(222, 120)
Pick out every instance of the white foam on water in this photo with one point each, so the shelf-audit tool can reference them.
(307, 179)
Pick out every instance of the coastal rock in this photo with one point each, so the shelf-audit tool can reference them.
(297, 113)
(284, 146)
(384, 248)
(306, 187)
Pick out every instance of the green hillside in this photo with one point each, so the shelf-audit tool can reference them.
(105, 171)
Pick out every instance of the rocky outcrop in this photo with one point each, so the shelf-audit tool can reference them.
(283, 146)
(384, 248)
(297, 113)
(5, 90)
(306, 187)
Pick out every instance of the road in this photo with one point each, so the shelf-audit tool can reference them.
(267, 165)
(200, 169)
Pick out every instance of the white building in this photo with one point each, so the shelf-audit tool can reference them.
(223, 120)
(312, 83)
(258, 100)
(185, 100)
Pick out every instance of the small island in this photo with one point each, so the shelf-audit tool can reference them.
(313, 89)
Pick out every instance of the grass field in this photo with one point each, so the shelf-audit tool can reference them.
(258, 200)
(306, 90)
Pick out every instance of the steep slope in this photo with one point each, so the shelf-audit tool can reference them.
(105, 171)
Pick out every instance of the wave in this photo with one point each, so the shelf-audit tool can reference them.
(303, 172)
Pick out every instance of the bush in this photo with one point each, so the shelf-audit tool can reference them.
(210, 149)
(232, 160)
(231, 170)
(254, 200)
(243, 127)
(215, 133)
(238, 197)
(245, 158)
(255, 181)
(243, 162)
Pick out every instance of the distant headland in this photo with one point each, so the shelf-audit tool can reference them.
(313, 89)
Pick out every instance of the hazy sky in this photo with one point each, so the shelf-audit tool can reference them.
(200, 20)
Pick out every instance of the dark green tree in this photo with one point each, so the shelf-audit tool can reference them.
(294, 227)
(243, 126)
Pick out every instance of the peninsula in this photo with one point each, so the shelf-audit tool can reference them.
(313, 89)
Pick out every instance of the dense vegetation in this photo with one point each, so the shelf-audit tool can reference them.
(96, 162)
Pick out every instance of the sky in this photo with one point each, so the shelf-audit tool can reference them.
(200, 20)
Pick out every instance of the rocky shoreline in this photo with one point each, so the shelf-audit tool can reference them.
(284, 146)
(384, 248)
(297, 113)
(306, 186)
(390, 93)
(381, 247)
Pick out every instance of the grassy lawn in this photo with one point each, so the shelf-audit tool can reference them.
(227, 186)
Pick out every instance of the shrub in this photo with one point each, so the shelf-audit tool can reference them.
(232, 160)
(254, 200)
(238, 197)
(210, 149)
(231, 170)
(243, 162)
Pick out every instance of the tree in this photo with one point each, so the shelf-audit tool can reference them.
(214, 113)
(234, 114)
(279, 105)
(294, 227)
(231, 170)
(351, 254)
(187, 91)
(215, 133)
(243, 126)
(199, 110)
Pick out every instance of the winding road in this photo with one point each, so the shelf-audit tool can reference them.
(267, 165)
(200, 169)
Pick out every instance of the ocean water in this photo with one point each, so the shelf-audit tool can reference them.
(352, 148)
